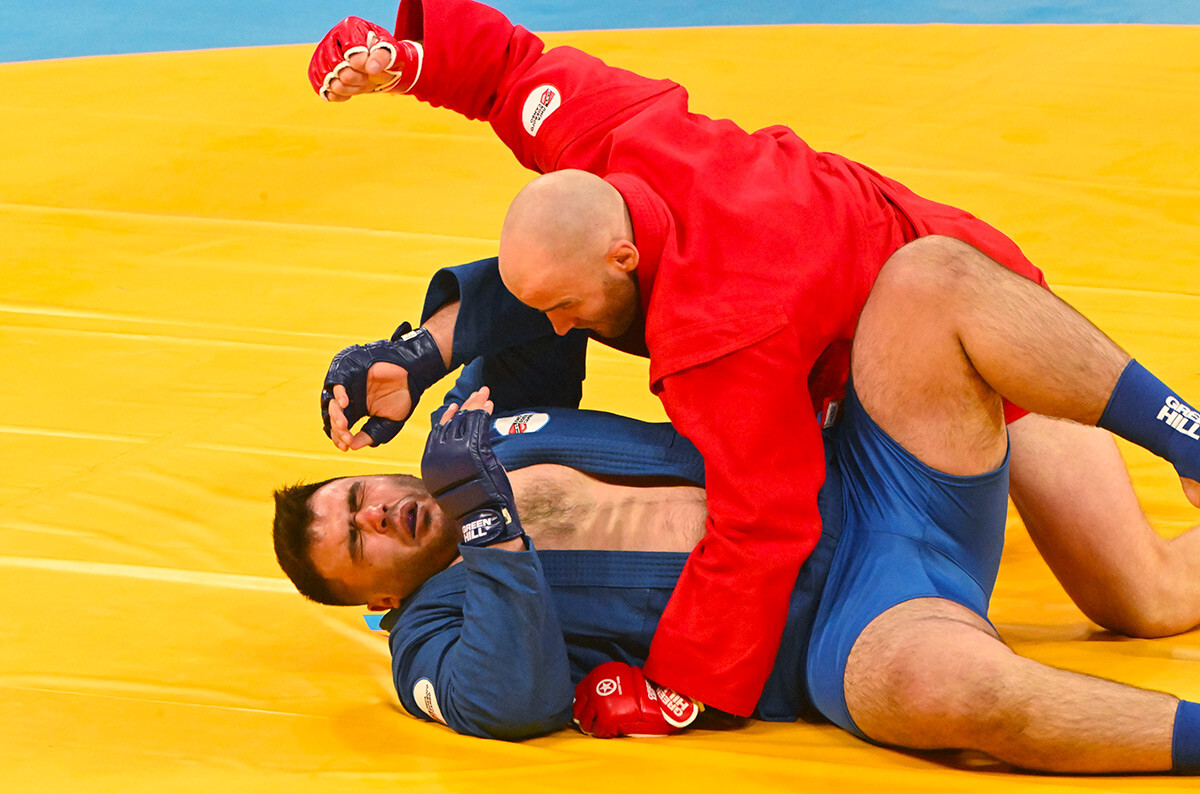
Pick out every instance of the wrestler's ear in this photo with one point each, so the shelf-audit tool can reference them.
(383, 603)
(622, 256)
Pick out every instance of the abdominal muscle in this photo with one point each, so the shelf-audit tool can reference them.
(563, 508)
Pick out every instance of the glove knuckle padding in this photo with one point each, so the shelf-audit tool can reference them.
(464, 475)
(331, 51)
(454, 468)
(616, 699)
(356, 35)
(343, 39)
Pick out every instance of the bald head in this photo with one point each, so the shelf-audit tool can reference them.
(567, 235)
(564, 216)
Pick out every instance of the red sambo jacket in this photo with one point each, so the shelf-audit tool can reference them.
(756, 256)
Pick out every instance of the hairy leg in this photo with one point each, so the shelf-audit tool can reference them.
(944, 330)
(1018, 338)
(1073, 492)
(944, 333)
(930, 674)
(912, 372)
(1033, 348)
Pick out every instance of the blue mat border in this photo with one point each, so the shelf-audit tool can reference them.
(69, 28)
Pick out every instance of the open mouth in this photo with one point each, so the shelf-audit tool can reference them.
(403, 516)
(407, 516)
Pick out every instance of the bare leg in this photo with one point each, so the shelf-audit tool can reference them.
(911, 369)
(1072, 490)
(1191, 489)
(1021, 340)
(931, 351)
(930, 674)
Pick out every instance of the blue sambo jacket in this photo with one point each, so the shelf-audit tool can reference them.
(493, 646)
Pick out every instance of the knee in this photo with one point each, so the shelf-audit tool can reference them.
(1148, 607)
(927, 698)
(930, 693)
(933, 270)
(929, 289)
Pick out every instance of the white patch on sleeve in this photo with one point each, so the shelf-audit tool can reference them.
(521, 423)
(427, 700)
(541, 102)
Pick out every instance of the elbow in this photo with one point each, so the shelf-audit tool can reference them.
(511, 709)
(515, 722)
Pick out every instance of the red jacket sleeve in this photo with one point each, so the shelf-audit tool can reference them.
(750, 415)
(741, 396)
(479, 64)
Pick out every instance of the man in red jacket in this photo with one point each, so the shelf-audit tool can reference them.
(743, 260)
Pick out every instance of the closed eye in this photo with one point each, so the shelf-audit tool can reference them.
(353, 534)
(560, 305)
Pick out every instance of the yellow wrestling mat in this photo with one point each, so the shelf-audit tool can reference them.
(188, 238)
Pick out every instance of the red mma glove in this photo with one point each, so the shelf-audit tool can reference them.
(352, 36)
(616, 699)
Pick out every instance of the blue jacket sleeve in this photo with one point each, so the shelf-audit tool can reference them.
(490, 318)
(506, 346)
(480, 649)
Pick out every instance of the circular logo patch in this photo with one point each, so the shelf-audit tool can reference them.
(427, 700)
(606, 687)
(541, 102)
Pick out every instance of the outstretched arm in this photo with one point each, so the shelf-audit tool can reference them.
(553, 109)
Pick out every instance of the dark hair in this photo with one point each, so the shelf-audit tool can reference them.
(293, 542)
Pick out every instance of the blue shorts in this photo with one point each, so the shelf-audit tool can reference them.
(908, 532)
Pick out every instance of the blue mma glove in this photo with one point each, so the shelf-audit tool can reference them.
(415, 351)
(461, 471)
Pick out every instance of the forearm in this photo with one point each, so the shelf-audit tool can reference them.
(470, 52)
(441, 325)
(538, 102)
(501, 343)
(482, 316)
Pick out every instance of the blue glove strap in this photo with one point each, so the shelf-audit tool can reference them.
(485, 527)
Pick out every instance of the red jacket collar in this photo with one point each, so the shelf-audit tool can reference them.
(651, 228)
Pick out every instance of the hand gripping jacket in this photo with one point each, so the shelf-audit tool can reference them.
(462, 473)
(415, 351)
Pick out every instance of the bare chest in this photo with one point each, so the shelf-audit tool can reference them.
(562, 508)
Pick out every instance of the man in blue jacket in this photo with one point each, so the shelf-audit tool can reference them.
(887, 633)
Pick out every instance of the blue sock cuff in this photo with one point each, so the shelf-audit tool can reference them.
(1185, 744)
(1143, 410)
